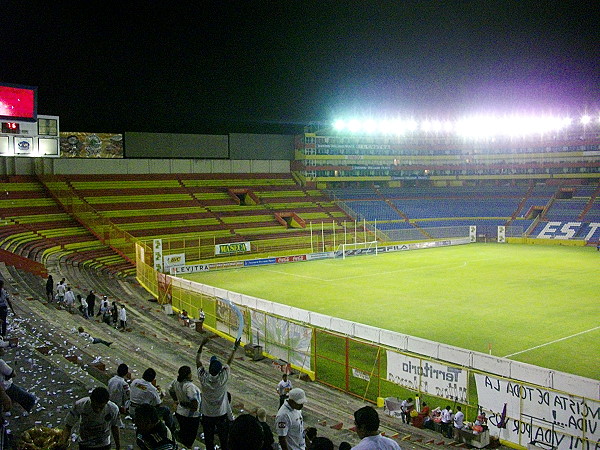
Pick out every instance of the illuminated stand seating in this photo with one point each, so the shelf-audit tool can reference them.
(224, 207)
(35, 226)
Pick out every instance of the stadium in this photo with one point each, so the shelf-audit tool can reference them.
(456, 261)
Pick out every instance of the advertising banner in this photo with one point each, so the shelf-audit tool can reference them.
(287, 259)
(501, 234)
(430, 377)
(522, 413)
(174, 260)
(192, 268)
(569, 230)
(158, 254)
(233, 247)
(260, 261)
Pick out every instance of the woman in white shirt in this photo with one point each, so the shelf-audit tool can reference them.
(187, 396)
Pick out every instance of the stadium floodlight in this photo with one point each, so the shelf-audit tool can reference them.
(411, 125)
(370, 126)
(354, 125)
(339, 125)
(426, 126)
(585, 119)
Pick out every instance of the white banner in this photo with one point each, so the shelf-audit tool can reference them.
(501, 234)
(158, 254)
(428, 377)
(233, 247)
(174, 260)
(537, 414)
(473, 233)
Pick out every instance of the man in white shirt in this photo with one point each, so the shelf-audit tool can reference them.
(61, 288)
(98, 418)
(215, 407)
(69, 299)
(118, 388)
(289, 424)
(283, 388)
(447, 422)
(366, 420)
(144, 392)
(459, 422)
(123, 318)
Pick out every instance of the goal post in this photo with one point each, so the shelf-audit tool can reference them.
(357, 248)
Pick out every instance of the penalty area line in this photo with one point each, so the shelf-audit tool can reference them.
(552, 342)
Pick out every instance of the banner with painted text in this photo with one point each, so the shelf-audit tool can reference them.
(430, 377)
(232, 247)
(533, 413)
(569, 230)
(174, 261)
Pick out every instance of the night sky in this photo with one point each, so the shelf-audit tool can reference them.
(212, 67)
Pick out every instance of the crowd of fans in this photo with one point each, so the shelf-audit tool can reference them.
(199, 413)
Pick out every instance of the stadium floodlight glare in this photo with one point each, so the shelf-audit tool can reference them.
(472, 127)
(339, 125)
(370, 126)
(354, 125)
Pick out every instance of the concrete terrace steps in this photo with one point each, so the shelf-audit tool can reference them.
(252, 382)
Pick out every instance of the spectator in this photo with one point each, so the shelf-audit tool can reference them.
(69, 299)
(50, 288)
(459, 422)
(187, 396)
(446, 422)
(215, 407)
(4, 305)
(114, 312)
(16, 393)
(268, 440)
(118, 388)
(406, 407)
(91, 302)
(144, 391)
(366, 420)
(5, 401)
(123, 318)
(345, 446)
(321, 443)
(245, 433)
(283, 388)
(289, 423)
(200, 323)
(60, 291)
(83, 306)
(151, 432)
(310, 434)
(184, 318)
(98, 418)
(92, 339)
(103, 306)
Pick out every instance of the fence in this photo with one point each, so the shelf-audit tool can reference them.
(539, 404)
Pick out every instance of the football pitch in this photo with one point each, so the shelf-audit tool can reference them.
(532, 303)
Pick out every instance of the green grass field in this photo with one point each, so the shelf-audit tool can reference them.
(536, 304)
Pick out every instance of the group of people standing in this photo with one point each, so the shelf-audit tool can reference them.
(111, 314)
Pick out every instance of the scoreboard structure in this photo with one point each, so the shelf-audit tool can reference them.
(23, 132)
(33, 139)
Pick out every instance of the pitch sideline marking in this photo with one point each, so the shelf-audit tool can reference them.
(553, 342)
